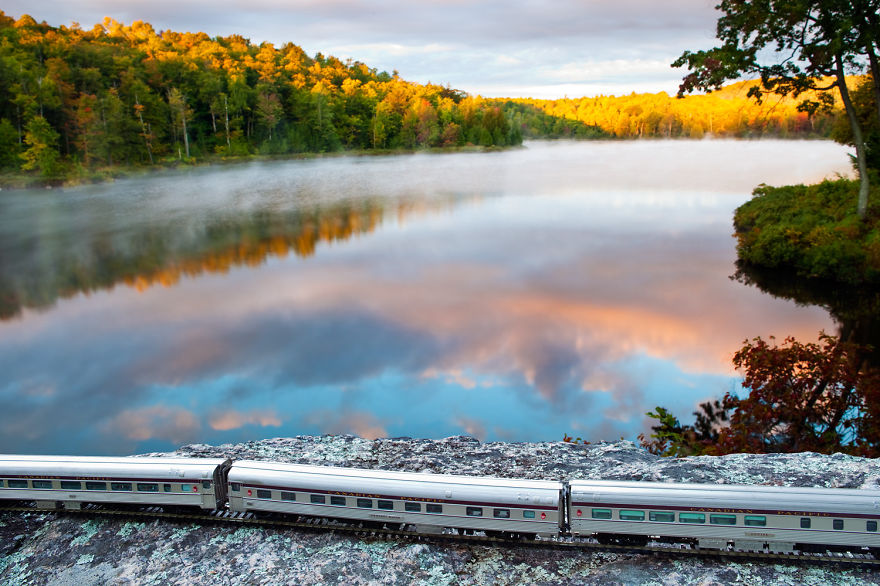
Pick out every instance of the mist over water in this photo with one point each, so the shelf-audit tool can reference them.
(563, 287)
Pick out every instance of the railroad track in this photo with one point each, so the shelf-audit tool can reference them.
(847, 558)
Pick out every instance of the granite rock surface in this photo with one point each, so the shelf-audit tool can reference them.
(50, 548)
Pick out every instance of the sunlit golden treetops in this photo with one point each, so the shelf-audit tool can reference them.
(727, 113)
(131, 95)
(73, 99)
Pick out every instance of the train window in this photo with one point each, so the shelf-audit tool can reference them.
(431, 508)
(1, 483)
(872, 526)
(501, 513)
(235, 486)
(69, 485)
(264, 494)
(600, 513)
(288, 496)
(96, 485)
(474, 511)
(18, 484)
(631, 515)
(147, 487)
(661, 517)
(337, 500)
(755, 520)
(386, 505)
(120, 486)
(186, 487)
(42, 483)
(805, 522)
(838, 524)
(691, 518)
(412, 507)
(722, 519)
(206, 484)
(365, 503)
(166, 487)
(317, 499)
(528, 514)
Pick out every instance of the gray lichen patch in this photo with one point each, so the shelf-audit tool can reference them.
(89, 529)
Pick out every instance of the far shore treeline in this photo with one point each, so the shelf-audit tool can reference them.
(76, 103)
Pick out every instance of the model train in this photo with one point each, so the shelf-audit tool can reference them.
(780, 519)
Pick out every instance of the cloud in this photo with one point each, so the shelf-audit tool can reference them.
(472, 427)
(362, 424)
(172, 424)
(593, 71)
(226, 420)
(472, 45)
(455, 377)
(561, 289)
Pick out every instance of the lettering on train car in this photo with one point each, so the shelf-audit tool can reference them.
(721, 510)
(360, 494)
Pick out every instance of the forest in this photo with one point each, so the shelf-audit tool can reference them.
(73, 99)
(76, 103)
(728, 112)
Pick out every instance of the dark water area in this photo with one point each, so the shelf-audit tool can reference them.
(517, 295)
(854, 309)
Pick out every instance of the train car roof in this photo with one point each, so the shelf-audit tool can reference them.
(420, 477)
(97, 465)
(688, 495)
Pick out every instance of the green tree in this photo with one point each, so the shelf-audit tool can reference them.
(9, 151)
(269, 110)
(794, 46)
(42, 152)
(179, 110)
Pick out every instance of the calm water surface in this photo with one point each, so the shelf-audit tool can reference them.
(564, 287)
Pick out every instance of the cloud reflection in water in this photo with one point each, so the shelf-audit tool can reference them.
(532, 293)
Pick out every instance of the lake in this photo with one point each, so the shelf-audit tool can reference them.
(514, 295)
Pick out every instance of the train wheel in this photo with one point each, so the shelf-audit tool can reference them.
(620, 539)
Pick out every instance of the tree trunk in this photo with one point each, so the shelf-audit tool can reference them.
(185, 136)
(872, 60)
(226, 108)
(858, 137)
(144, 129)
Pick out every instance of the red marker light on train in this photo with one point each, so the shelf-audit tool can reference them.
(543, 516)
(579, 513)
(196, 488)
(249, 492)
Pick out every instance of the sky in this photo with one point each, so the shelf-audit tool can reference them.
(494, 48)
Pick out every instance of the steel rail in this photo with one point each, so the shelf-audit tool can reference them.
(847, 558)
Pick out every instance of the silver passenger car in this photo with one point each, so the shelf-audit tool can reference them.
(427, 501)
(716, 515)
(68, 481)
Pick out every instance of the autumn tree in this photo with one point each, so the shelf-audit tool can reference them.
(794, 46)
(819, 397)
(803, 397)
